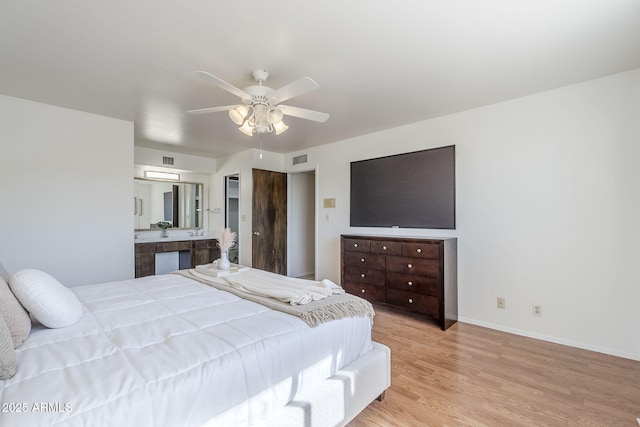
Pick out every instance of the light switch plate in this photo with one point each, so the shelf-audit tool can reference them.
(329, 203)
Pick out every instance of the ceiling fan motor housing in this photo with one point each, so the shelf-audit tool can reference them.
(264, 114)
(259, 94)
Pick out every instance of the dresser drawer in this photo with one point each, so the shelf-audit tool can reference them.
(173, 246)
(357, 245)
(371, 293)
(364, 275)
(204, 243)
(414, 266)
(412, 283)
(418, 302)
(386, 248)
(421, 250)
(366, 260)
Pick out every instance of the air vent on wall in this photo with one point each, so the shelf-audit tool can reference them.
(300, 159)
(167, 160)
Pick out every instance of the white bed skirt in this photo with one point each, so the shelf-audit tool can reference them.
(338, 399)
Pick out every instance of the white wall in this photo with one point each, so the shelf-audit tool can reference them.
(66, 191)
(548, 201)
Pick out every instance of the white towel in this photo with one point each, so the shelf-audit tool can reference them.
(283, 288)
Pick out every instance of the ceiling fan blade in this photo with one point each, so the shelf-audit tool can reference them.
(212, 109)
(297, 88)
(224, 85)
(303, 113)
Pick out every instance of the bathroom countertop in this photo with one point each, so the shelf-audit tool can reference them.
(156, 239)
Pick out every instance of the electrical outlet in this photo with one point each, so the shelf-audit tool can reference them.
(537, 310)
(501, 302)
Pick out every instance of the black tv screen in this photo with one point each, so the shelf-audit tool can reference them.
(410, 190)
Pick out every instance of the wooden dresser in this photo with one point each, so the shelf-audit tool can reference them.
(418, 274)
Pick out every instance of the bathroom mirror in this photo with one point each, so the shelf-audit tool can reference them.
(178, 203)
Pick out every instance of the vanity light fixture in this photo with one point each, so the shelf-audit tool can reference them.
(162, 175)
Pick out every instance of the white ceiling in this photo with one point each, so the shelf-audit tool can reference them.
(379, 64)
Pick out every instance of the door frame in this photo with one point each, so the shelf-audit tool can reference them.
(226, 208)
(313, 169)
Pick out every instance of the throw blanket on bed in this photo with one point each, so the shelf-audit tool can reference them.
(286, 289)
(335, 306)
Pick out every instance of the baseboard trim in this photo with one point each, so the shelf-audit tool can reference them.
(549, 338)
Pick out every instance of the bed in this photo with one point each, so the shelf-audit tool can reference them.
(173, 350)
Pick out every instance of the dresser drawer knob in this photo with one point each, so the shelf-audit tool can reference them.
(410, 301)
(410, 283)
(410, 265)
(363, 291)
(355, 245)
(384, 248)
(362, 275)
(362, 259)
(419, 250)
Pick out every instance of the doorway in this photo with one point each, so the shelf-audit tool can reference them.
(284, 223)
(232, 212)
(302, 225)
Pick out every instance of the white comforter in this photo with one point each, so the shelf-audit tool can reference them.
(169, 351)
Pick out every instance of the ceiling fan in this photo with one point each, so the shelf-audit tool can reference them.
(261, 111)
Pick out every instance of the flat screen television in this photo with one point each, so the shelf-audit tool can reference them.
(409, 190)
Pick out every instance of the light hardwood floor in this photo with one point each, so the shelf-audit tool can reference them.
(473, 376)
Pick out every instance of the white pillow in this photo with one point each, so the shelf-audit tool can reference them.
(50, 302)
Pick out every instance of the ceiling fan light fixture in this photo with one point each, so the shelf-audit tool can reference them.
(275, 115)
(246, 128)
(260, 120)
(280, 127)
(261, 129)
(239, 114)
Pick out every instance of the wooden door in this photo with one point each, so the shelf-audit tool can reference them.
(269, 223)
